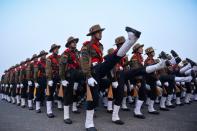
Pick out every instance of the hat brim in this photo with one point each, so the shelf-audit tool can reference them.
(91, 33)
(119, 43)
(42, 54)
(138, 48)
(68, 43)
(54, 48)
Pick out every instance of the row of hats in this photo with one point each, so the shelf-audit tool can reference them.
(120, 40)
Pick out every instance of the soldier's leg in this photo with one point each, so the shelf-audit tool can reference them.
(30, 95)
(140, 100)
(39, 93)
(18, 94)
(170, 89)
(23, 93)
(178, 94)
(124, 101)
(152, 95)
(92, 100)
(14, 94)
(68, 97)
(49, 99)
(195, 90)
(9, 93)
(188, 92)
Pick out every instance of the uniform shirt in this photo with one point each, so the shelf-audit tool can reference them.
(39, 69)
(52, 66)
(69, 60)
(136, 60)
(91, 52)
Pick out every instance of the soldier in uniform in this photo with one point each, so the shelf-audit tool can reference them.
(12, 85)
(40, 80)
(121, 65)
(23, 82)
(30, 79)
(7, 89)
(17, 74)
(71, 76)
(53, 78)
(3, 86)
(95, 69)
(151, 80)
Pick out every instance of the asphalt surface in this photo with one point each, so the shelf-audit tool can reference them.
(14, 118)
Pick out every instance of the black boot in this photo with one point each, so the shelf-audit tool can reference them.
(91, 129)
(137, 33)
(51, 115)
(154, 112)
(118, 122)
(164, 109)
(38, 111)
(76, 112)
(68, 121)
(140, 116)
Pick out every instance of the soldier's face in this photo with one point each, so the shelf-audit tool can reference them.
(43, 57)
(153, 53)
(140, 50)
(73, 45)
(56, 51)
(98, 35)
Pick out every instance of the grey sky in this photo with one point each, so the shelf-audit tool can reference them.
(28, 26)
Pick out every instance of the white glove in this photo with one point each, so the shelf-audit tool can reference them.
(6, 85)
(178, 83)
(29, 83)
(75, 86)
(18, 85)
(125, 88)
(36, 85)
(65, 83)
(91, 81)
(50, 83)
(166, 84)
(131, 87)
(115, 84)
(2, 84)
(148, 87)
(94, 63)
(120, 68)
(11, 85)
(182, 83)
(158, 83)
(21, 85)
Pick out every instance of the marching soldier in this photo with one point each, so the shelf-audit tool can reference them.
(53, 78)
(12, 85)
(40, 80)
(7, 86)
(151, 80)
(71, 75)
(139, 81)
(3, 86)
(95, 69)
(23, 82)
(30, 79)
(17, 74)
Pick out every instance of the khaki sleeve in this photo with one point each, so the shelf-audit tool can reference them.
(63, 65)
(28, 72)
(48, 69)
(35, 73)
(20, 76)
(85, 61)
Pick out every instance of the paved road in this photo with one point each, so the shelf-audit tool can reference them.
(14, 118)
